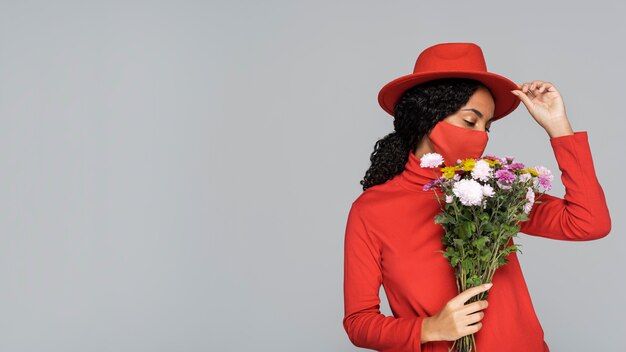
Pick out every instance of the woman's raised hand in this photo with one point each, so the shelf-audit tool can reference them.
(544, 102)
(454, 320)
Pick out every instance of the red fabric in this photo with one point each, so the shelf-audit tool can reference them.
(391, 239)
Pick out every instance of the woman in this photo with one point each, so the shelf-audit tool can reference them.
(448, 105)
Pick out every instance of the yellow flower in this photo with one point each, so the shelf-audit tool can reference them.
(448, 171)
(467, 164)
(491, 162)
(532, 171)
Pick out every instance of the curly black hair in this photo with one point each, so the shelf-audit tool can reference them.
(417, 111)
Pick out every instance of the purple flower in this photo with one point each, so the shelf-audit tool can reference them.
(505, 175)
(505, 178)
(515, 166)
(428, 186)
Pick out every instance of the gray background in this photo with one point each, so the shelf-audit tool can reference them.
(176, 176)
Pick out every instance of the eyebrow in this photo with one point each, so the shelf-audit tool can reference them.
(477, 113)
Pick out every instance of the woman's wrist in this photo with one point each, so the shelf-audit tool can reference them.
(560, 128)
(427, 330)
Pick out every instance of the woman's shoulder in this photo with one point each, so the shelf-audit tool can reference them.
(380, 195)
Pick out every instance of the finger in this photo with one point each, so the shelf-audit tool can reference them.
(472, 329)
(535, 83)
(526, 91)
(464, 296)
(525, 87)
(530, 87)
(534, 88)
(546, 87)
(474, 307)
(473, 318)
(523, 97)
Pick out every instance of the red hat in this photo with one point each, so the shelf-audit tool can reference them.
(459, 60)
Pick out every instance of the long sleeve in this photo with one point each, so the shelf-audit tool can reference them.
(583, 213)
(363, 322)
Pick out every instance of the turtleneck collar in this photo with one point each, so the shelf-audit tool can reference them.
(414, 176)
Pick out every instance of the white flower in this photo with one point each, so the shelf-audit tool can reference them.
(431, 160)
(488, 191)
(530, 196)
(456, 177)
(524, 177)
(482, 170)
(469, 192)
(527, 207)
(449, 198)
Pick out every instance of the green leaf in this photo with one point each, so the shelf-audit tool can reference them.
(441, 218)
(485, 255)
(467, 264)
(454, 261)
(479, 243)
(470, 227)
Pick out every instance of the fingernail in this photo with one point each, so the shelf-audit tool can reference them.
(514, 92)
(488, 285)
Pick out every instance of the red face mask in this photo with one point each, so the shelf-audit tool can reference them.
(454, 142)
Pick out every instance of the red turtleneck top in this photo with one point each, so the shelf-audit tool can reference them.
(391, 239)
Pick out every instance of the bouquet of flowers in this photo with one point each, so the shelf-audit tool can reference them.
(482, 202)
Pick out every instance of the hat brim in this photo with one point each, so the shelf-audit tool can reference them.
(500, 87)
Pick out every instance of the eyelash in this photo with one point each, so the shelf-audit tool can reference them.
(472, 124)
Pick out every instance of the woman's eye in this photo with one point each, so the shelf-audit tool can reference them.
(473, 123)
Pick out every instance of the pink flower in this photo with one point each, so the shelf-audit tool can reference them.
(489, 156)
(545, 177)
(515, 166)
(505, 178)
